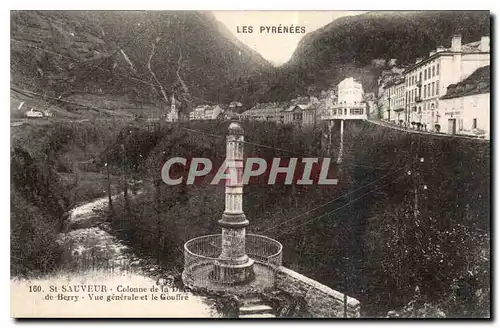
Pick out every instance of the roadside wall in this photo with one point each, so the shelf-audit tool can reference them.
(322, 301)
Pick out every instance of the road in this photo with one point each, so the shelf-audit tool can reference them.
(22, 121)
(396, 127)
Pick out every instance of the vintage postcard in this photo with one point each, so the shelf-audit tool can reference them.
(250, 164)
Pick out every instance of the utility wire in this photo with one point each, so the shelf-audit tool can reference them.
(277, 148)
(337, 209)
(332, 201)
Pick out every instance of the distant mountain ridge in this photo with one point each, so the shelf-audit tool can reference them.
(400, 35)
(348, 45)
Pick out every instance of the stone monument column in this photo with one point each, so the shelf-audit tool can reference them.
(233, 264)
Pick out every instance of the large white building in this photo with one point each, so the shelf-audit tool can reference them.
(205, 112)
(465, 108)
(350, 104)
(350, 91)
(427, 80)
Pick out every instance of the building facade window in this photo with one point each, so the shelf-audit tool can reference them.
(433, 71)
(425, 91)
(432, 89)
(420, 77)
(425, 75)
(437, 68)
(437, 88)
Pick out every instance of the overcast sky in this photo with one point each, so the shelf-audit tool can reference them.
(276, 48)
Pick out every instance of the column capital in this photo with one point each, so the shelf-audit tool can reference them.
(235, 221)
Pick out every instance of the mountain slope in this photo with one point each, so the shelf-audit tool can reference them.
(348, 45)
(144, 55)
(400, 35)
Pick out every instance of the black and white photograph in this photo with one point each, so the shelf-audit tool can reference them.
(250, 164)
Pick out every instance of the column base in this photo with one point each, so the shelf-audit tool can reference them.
(226, 273)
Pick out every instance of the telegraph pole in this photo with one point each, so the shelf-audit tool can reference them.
(110, 198)
(415, 189)
(389, 106)
(416, 172)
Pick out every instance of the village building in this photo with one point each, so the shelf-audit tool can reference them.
(229, 114)
(265, 112)
(236, 106)
(465, 108)
(299, 114)
(198, 113)
(205, 112)
(302, 111)
(427, 80)
(213, 112)
(33, 113)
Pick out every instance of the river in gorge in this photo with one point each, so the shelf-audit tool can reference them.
(112, 275)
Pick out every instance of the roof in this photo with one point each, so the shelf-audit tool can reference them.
(264, 108)
(213, 107)
(301, 106)
(349, 80)
(394, 81)
(468, 48)
(472, 47)
(476, 83)
(202, 107)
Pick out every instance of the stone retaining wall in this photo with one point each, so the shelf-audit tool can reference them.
(322, 301)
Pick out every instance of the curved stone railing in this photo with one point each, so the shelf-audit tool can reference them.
(201, 254)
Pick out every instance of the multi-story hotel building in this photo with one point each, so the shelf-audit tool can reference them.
(426, 81)
(393, 102)
(350, 91)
